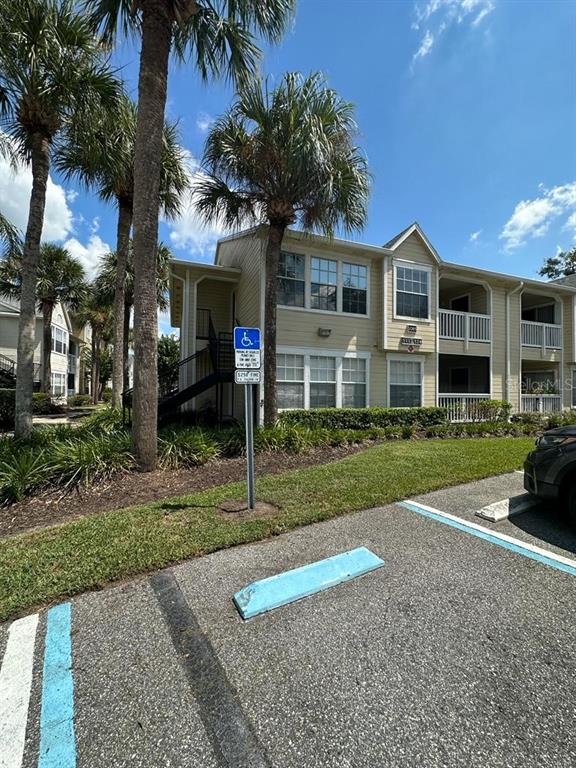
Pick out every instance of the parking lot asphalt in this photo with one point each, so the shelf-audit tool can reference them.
(456, 653)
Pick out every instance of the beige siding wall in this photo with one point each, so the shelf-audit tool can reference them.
(247, 254)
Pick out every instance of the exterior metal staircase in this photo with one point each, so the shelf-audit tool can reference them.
(209, 367)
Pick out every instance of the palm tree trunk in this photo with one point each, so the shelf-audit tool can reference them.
(47, 310)
(40, 151)
(122, 245)
(275, 237)
(126, 347)
(95, 373)
(155, 52)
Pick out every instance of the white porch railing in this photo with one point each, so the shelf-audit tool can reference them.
(461, 407)
(541, 403)
(543, 335)
(464, 326)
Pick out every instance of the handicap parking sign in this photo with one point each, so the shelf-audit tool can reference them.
(247, 347)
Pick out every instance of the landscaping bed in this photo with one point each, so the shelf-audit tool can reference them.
(129, 489)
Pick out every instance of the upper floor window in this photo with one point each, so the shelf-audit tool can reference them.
(326, 285)
(354, 288)
(291, 271)
(323, 284)
(412, 292)
(59, 340)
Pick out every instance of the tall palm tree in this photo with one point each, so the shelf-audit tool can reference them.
(217, 35)
(51, 69)
(60, 278)
(100, 154)
(279, 158)
(106, 280)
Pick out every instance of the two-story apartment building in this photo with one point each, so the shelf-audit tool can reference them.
(362, 325)
(68, 375)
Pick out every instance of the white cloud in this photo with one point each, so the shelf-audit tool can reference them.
(439, 15)
(204, 122)
(71, 195)
(532, 218)
(15, 188)
(88, 255)
(425, 46)
(475, 235)
(95, 225)
(188, 232)
(571, 223)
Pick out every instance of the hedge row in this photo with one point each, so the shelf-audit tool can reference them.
(41, 405)
(365, 418)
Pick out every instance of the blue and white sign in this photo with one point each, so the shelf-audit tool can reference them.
(247, 347)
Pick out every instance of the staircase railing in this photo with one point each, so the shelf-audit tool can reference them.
(8, 365)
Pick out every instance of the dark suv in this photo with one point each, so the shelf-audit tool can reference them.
(550, 470)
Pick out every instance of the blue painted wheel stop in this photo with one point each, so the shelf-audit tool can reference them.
(284, 588)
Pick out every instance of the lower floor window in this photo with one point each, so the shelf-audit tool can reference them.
(405, 383)
(321, 381)
(58, 384)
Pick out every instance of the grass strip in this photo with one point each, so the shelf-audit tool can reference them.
(63, 560)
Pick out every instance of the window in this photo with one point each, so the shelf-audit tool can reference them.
(405, 386)
(291, 279)
(322, 382)
(323, 284)
(59, 340)
(290, 380)
(58, 384)
(354, 288)
(353, 382)
(412, 292)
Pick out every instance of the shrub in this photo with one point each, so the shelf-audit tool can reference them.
(91, 458)
(180, 448)
(107, 395)
(22, 472)
(102, 422)
(365, 418)
(7, 408)
(78, 401)
(42, 404)
(491, 410)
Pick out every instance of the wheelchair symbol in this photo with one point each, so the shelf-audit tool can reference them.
(246, 341)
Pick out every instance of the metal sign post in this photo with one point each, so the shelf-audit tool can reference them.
(247, 357)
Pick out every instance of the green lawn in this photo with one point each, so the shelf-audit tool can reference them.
(40, 567)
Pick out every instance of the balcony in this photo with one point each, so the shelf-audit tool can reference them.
(462, 407)
(464, 326)
(541, 403)
(541, 335)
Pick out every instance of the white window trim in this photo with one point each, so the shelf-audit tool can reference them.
(403, 358)
(66, 336)
(339, 285)
(64, 383)
(423, 268)
(339, 354)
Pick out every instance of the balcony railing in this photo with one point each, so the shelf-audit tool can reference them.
(461, 407)
(542, 335)
(541, 403)
(464, 326)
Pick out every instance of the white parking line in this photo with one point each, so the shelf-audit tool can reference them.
(15, 687)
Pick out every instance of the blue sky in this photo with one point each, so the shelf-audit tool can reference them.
(466, 111)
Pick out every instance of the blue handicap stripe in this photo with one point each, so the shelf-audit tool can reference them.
(487, 536)
(284, 588)
(57, 741)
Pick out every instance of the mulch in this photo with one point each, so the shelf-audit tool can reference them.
(132, 489)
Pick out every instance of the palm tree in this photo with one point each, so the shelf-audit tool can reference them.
(100, 154)
(280, 158)
(8, 234)
(97, 312)
(60, 278)
(51, 69)
(218, 36)
(106, 281)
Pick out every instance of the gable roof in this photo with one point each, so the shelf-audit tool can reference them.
(414, 228)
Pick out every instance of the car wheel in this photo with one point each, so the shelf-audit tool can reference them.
(572, 505)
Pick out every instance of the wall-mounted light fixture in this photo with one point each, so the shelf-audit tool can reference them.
(324, 332)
